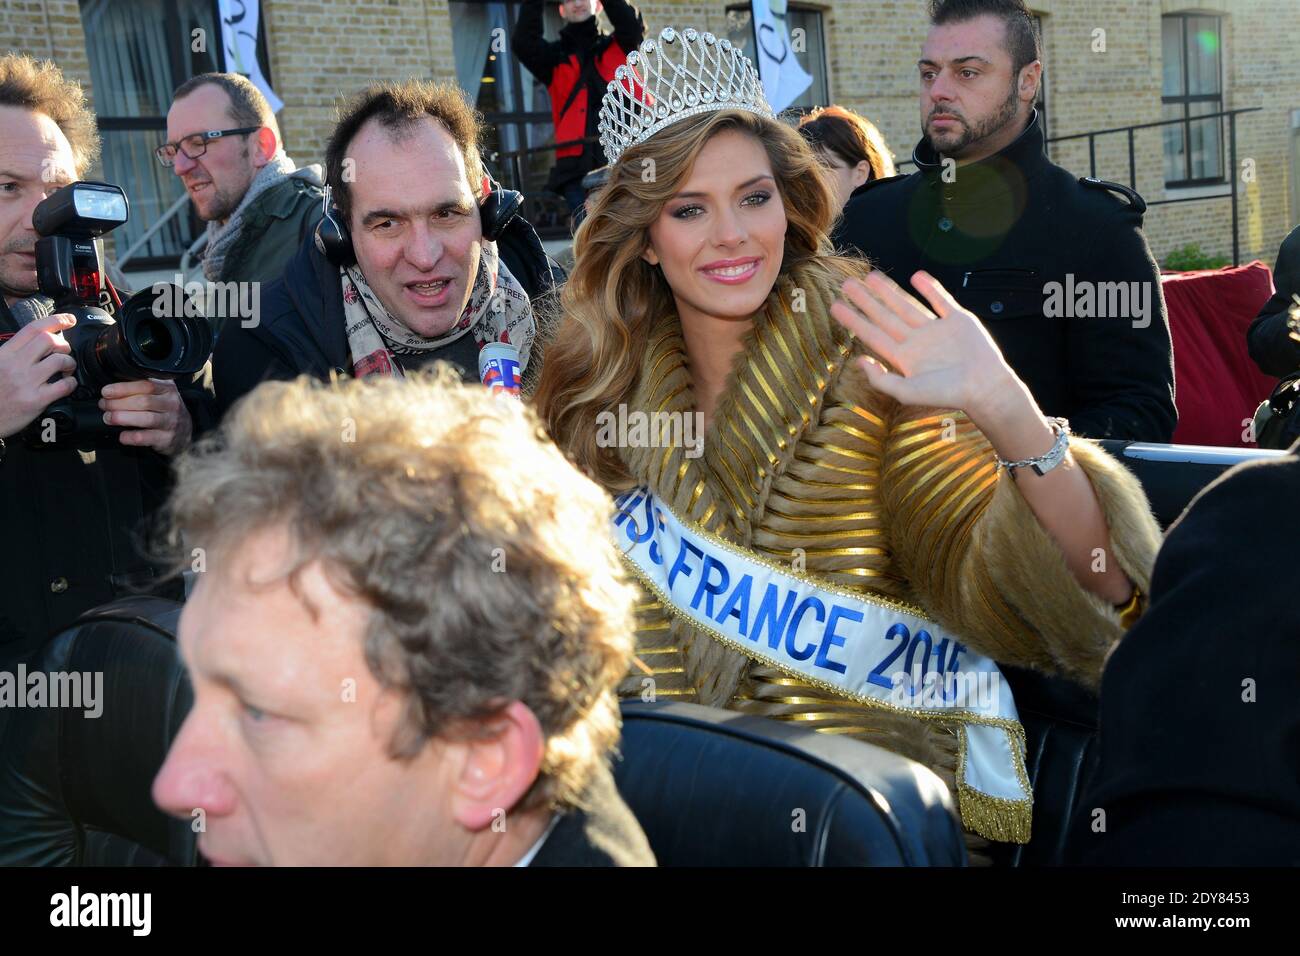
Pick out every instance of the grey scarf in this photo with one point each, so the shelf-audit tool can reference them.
(28, 310)
(221, 238)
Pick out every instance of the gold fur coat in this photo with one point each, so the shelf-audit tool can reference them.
(805, 461)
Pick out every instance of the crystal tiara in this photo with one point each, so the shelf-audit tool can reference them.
(670, 78)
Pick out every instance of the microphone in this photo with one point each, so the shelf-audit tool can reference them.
(498, 368)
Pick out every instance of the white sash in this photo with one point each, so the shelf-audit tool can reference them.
(870, 649)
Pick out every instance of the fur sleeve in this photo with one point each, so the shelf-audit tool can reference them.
(981, 564)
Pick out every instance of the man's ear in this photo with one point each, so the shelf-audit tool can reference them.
(498, 762)
(266, 146)
(1031, 78)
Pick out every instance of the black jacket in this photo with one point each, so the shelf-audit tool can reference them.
(301, 330)
(272, 227)
(604, 833)
(995, 237)
(1269, 339)
(1200, 702)
(74, 520)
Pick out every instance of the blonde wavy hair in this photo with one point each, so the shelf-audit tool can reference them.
(614, 298)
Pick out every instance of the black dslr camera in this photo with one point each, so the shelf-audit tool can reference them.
(143, 341)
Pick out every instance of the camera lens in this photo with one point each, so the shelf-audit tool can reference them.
(140, 344)
(154, 340)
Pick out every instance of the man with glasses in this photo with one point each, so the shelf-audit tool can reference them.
(224, 144)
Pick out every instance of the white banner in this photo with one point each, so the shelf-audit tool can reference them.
(870, 649)
(784, 80)
(239, 23)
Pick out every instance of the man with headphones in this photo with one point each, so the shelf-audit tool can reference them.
(420, 256)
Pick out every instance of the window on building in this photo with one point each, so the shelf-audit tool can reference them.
(1192, 86)
(807, 42)
(139, 51)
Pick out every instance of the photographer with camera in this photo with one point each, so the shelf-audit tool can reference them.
(575, 70)
(86, 415)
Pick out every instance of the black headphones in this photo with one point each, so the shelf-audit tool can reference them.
(496, 211)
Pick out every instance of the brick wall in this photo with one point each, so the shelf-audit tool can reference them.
(323, 48)
(47, 30)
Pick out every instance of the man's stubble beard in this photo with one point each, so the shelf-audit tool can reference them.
(225, 203)
(971, 135)
(9, 283)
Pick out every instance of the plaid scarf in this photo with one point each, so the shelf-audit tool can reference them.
(498, 311)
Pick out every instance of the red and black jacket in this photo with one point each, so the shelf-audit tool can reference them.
(576, 69)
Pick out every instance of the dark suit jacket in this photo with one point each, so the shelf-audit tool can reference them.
(603, 834)
(1200, 702)
(1269, 339)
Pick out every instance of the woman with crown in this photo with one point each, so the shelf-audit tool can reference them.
(879, 514)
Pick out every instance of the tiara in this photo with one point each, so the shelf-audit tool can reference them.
(673, 77)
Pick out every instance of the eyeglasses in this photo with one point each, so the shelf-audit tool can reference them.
(196, 145)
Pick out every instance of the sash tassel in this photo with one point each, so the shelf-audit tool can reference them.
(1005, 821)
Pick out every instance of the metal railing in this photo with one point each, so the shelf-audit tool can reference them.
(174, 210)
(515, 159)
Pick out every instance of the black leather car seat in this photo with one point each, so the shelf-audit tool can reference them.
(711, 786)
(75, 790)
(717, 788)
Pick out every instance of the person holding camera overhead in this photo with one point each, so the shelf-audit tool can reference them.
(575, 69)
(70, 509)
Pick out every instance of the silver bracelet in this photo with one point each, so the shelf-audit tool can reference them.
(1054, 456)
